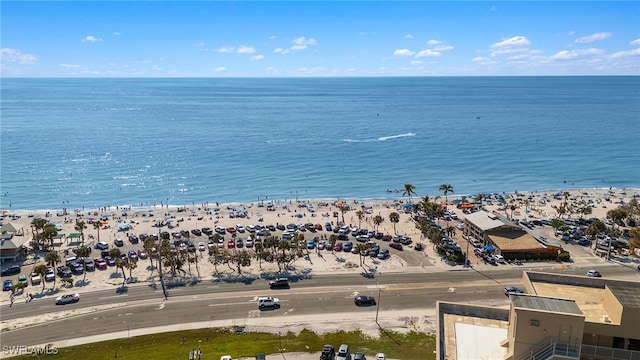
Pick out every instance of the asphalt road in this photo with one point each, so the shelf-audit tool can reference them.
(143, 306)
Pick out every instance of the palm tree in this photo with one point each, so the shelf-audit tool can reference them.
(377, 220)
(343, 209)
(52, 258)
(333, 238)
(362, 252)
(38, 224)
(360, 215)
(394, 217)
(96, 226)
(83, 252)
(409, 190)
(148, 245)
(480, 198)
(80, 226)
(115, 254)
(41, 270)
(616, 216)
(446, 189)
(450, 231)
(594, 229)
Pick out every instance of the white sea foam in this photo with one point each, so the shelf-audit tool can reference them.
(383, 138)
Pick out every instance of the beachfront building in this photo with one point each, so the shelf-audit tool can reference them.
(12, 247)
(559, 317)
(506, 238)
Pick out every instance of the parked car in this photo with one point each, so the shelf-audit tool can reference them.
(11, 270)
(337, 247)
(196, 232)
(101, 245)
(142, 254)
(279, 283)
(133, 255)
(268, 301)
(381, 356)
(396, 245)
(328, 352)
(364, 300)
(7, 284)
(347, 246)
(343, 353)
(67, 299)
(110, 261)
(118, 242)
(100, 263)
(88, 264)
(202, 247)
(383, 254)
(76, 268)
(594, 273)
(50, 275)
(359, 356)
(36, 279)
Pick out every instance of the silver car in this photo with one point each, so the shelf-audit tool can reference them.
(67, 299)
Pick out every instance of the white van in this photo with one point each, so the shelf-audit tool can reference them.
(499, 259)
(343, 353)
(101, 245)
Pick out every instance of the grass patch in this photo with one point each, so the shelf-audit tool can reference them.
(215, 342)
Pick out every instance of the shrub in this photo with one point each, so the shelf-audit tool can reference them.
(565, 256)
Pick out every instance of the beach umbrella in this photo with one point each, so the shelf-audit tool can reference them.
(489, 248)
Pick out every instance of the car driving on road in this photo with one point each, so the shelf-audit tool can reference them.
(67, 299)
(268, 301)
(279, 283)
(364, 300)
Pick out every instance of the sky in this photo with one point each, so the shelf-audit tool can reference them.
(318, 38)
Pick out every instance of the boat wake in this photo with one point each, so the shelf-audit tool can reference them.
(382, 138)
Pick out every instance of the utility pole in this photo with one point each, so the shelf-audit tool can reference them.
(160, 241)
(378, 302)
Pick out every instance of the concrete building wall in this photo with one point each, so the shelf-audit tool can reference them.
(528, 328)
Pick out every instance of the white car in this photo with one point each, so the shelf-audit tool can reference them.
(67, 299)
(381, 356)
(226, 357)
(240, 228)
(268, 301)
(201, 246)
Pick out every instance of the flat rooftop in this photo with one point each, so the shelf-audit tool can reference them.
(564, 306)
(479, 337)
(589, 300)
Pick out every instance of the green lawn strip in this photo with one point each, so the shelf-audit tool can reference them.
(220, 341)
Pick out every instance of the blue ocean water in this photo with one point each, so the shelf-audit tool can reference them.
(98, 142)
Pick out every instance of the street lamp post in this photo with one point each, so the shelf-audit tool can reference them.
(378, 302)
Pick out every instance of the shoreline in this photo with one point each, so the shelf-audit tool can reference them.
(624, 191)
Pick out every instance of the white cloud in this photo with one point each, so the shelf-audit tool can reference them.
(443, 48)
(408, 36)
(427, 53)
(571, 33)
(304, 41)
(69, 66)
(257, 57)
(245, 50)
(281, 51)
(221, 69)
(403, 52)
(434, 42)
(117, 33)
(298, 47)
(91, 38)
(513, 41)
(628, 53)
(593, 37)
(272, 37)
(14, 55)
(226, 49)
(416, 62)
(635, 42)
(568, 55)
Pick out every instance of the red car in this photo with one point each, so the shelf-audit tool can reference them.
(386, 238)
(231, 230)
(318, 227)
(337, 247)
(231, 244)
(142, 254)
(396, 245)
(100, 263)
